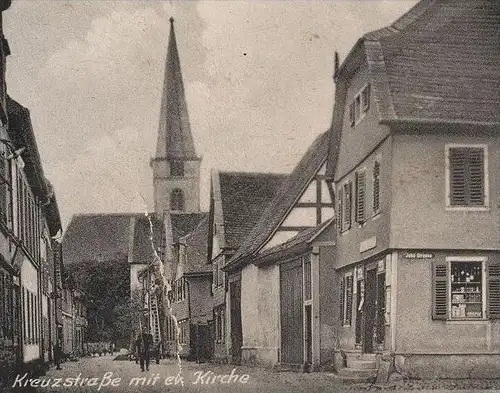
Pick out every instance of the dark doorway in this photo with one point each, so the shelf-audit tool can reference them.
(292, 313)
(236, 330)
(369, 310)
(360, 288)
(380, 308)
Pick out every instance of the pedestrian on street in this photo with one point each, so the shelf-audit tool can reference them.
(57, 354)
(143, 347)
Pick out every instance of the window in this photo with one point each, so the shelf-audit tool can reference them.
(218, 274)
(219, 317)
(466, 176)
(177, 200)
(360, 197)
(347, 206)
(340, 216)
(346, 298)
(376, 187)
(359, 106)
(179, 290)
(176, 168)
(171, 329)
(183, 332)
(460, 286)
(5, 185)
(6, 306)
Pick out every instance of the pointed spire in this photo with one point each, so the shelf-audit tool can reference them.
(175, 140)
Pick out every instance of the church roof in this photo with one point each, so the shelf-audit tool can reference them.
(109, 236)
(175, 140)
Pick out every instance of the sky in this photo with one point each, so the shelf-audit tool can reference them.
(257, 75)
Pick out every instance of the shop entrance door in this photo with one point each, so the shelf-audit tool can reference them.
(369, 309)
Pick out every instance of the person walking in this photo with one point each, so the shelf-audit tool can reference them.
(57, 354)
(143, 348)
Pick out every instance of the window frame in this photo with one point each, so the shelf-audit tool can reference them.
(362, 171)
(484, 299)
(376, 180)
(177, 195)
(358, 106)
(448, 205)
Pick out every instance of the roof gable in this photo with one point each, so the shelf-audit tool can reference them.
(285, 198)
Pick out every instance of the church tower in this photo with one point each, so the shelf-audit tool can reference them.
(176, 167)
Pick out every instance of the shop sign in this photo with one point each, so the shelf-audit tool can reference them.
(418, 255)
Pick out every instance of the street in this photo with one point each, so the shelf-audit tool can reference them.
(104, 374)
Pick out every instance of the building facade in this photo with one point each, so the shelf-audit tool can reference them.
(417, 191)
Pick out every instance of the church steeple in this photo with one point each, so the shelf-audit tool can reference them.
(176, 167)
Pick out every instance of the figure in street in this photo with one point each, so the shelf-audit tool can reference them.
(143, 347)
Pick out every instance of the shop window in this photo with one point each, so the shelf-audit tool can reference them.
(346, 298)
(376, 187)
(460, 286)
(466, 176)
(360, 197)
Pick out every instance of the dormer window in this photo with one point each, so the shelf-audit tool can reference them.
(359, 106)
(176, 168)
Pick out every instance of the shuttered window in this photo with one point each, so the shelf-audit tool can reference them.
(347, 206)
(340, 210)
(360, 197)
(347, 307)
(494, 290)
(440, 290)
(376, 187)
(467, 185)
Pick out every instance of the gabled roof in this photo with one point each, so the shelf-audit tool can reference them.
(95, 237)
(183, 223)
(175, 140)
(289, 192)
(437, 63)
(243, 198)
(196, 249)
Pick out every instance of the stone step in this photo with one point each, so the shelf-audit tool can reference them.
(357, 373)
(360, 356)
(361, 363)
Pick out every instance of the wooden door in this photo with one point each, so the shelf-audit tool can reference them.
(236, 329)
(292, 322)
(369, 309)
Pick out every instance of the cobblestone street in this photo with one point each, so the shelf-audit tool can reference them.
(103, 374)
